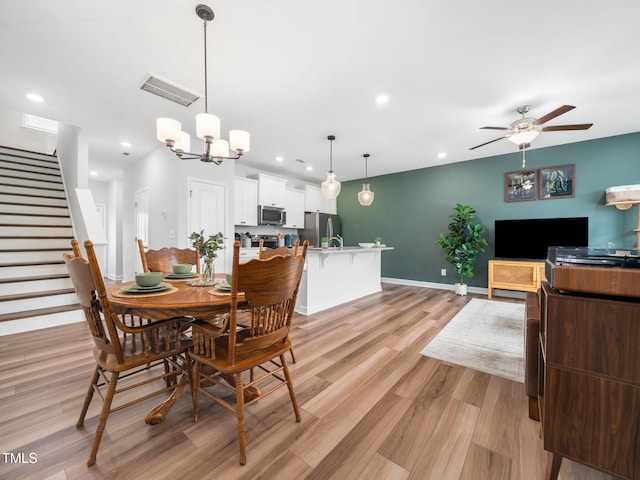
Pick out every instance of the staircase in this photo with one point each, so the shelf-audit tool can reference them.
(35, 229)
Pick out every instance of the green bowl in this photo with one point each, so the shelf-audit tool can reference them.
(148, 279)
(182, 268)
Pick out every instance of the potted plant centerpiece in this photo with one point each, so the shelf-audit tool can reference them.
(462, 243)
(324, 242)
(207, 248)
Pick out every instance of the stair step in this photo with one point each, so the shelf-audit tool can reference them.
(34, 279)
(33, 210)
(23, 219)
(27, 155)
(39, 312)
(31, 199)
(46, 178)
(8, 243)
(35, 269)
(11, 165)
(32, 295)
(8, 187)
(38, 301)
(35, 231)
(37, 286)
(31, 182)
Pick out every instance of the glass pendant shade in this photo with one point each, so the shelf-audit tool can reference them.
(365, 197)
(219, 148)
(184, 144)
(331, 186)
(239, 140)
(207, 125)
(168, 129)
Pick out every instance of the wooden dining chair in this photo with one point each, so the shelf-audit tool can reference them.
(265, 253)
(147, 353)
(270, 289)
(164, 259)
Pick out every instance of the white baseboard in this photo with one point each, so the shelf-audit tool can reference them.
(447, 286)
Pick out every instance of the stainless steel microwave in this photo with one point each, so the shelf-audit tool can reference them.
(271, 215)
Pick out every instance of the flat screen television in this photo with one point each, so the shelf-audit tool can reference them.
(530, 238)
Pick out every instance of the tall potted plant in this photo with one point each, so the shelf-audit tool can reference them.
(462, 243)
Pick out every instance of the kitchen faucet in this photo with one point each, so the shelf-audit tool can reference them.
(339, 239)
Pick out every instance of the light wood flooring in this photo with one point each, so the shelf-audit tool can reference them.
(372, 408)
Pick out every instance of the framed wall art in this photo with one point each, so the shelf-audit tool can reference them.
(520, 186)
(557, 182)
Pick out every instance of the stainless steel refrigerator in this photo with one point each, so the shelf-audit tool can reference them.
(318, 225)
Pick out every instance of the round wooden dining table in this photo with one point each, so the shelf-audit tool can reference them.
(181, 300)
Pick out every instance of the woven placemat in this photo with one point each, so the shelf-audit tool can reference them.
(122, 294)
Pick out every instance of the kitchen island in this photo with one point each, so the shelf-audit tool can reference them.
(333, 276)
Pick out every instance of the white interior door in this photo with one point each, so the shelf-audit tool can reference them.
(207, 201)
(141, 214)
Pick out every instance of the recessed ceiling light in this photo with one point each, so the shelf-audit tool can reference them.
(93, 173)
(309, 168)
(125, 144)
(442, 155)
(279, 159)
(34, 97)
(382, 99)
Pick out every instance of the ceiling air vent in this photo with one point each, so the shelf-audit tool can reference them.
(165, 89)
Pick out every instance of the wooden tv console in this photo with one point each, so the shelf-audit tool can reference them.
(521, 275)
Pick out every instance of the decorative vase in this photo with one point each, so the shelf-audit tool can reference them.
(324, 244)
(207, 272)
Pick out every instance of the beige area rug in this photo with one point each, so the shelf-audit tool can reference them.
(485, 335)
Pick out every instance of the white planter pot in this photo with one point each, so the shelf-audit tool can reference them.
(461, 289)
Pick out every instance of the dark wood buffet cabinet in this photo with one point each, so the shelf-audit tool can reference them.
(589, 382)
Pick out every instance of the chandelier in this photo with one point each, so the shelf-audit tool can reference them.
(365, 197)
(169, 131)
(331, 186)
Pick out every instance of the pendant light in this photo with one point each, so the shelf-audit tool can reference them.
(207, 125)
(365, 197)
(331, 186)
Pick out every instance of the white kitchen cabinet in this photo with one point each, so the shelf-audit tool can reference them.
(246, 201)
(294, 203)
(247, 254)
(315, 201)
(271, 190)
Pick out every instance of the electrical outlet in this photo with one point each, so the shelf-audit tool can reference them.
(172, 234)
(443, 272)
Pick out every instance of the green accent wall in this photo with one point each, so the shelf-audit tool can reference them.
(412, 208)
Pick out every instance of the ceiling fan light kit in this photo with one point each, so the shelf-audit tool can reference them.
(169, 131)
(524, 130)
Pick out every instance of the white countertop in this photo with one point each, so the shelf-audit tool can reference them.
(333, 250)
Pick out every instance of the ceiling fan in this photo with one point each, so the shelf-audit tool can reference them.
(524, 130)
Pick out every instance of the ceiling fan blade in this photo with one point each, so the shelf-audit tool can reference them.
(557, 128)
(487, 143)
(494, 128)
(556, 113)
